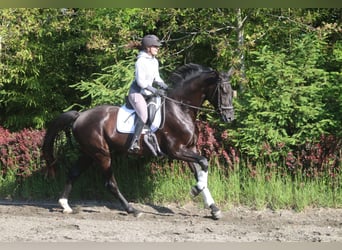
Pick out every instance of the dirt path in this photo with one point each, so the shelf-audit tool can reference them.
(101, 222)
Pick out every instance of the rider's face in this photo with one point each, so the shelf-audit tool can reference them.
(153, 50)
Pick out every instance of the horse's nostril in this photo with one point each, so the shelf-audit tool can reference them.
(229, 119)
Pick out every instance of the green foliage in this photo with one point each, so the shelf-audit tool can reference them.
(202, 45)
(284, 103)
(22, 59)
(8, 185)
(109, 87)
(46, 51)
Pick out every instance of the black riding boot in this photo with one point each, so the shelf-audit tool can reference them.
(134, 146)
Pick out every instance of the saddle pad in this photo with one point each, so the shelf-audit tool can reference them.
(126, 116)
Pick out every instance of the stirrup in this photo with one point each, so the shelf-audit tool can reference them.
(151, 141)
(134, 147)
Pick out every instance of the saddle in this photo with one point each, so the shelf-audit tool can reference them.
(127, 116)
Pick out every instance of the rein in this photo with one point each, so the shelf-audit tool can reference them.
(220, 107)
(188, 105)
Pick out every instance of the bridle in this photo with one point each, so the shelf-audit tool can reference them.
(220, 108)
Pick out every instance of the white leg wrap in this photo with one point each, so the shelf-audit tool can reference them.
(202, 184)
(208, 199)
(202, 179)
(64, 203)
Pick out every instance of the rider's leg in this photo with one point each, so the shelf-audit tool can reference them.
(134, 145)
(139, 104)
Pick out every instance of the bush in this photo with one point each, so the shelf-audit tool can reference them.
(20, 156)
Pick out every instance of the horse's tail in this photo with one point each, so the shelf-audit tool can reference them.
(62, 123)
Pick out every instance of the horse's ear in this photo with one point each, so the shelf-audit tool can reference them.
(235, 93)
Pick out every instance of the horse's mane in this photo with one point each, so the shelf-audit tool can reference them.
(186, 72)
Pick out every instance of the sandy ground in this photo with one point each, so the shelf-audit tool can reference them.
(106, 222)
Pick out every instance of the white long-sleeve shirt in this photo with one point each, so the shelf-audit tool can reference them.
(146, 72)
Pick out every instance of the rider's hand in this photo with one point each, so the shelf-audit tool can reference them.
(160, 92)
(162, 85)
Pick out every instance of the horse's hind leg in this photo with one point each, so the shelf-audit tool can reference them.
(114, 189)
(74, 172)
(104, 160)
(202, 187)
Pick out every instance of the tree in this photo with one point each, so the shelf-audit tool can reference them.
(29, 48)
(288, 98)
(54, 59)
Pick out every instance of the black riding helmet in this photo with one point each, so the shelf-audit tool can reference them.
(150, 40)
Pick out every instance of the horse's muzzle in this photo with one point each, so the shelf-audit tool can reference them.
(228, 115)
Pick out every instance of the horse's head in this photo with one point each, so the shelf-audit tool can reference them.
(222, 98)
(193, 83)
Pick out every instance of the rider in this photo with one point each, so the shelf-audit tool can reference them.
(146, 73)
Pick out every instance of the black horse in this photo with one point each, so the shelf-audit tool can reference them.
(96, 132)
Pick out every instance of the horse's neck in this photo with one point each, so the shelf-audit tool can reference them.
(189, 98)
(183, 108)
(179, 114)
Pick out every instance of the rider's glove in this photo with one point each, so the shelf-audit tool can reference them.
(162, 85)
(156, 91)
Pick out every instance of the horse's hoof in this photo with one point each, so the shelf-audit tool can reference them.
(216, 213)
(64, 204)
(137, 214)
(67, 211)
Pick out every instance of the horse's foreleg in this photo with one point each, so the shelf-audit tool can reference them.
(201, 175)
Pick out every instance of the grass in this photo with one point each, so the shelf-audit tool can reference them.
(8, 185)
(172, 184)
